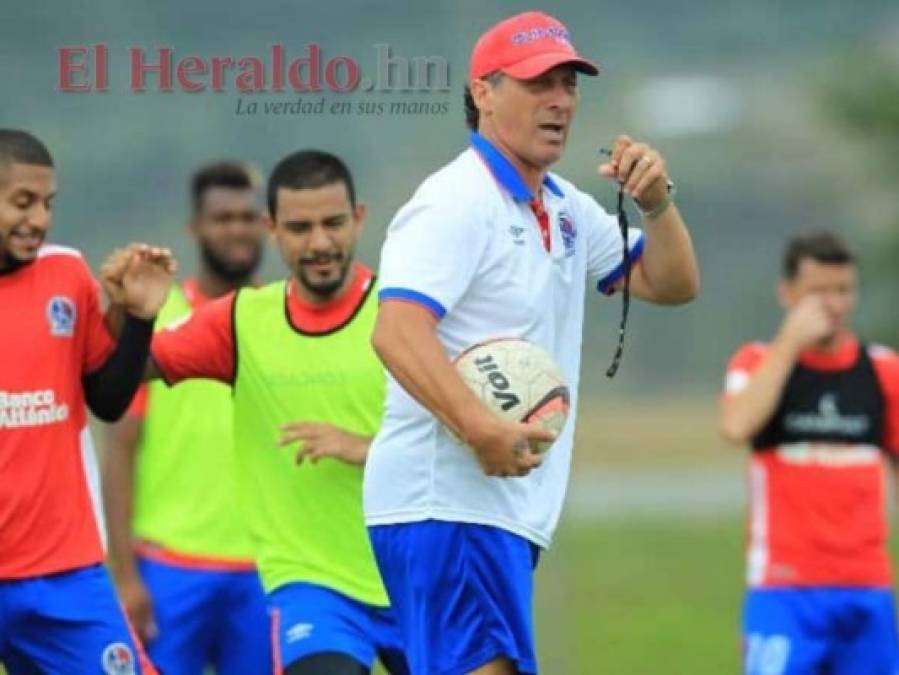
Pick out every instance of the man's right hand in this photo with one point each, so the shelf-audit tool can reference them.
(138, 606)
(506, 449)
(137, 278)
(807, 323)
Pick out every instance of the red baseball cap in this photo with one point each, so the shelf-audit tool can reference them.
(525, 46)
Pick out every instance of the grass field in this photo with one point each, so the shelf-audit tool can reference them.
(641, 596)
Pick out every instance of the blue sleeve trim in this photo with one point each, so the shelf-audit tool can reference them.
(409, 295)
(605, 284)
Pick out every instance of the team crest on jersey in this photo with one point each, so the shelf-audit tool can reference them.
(117, 659)
(61, 315)
(569, 233)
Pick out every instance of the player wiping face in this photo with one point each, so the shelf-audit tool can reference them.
(820, 299)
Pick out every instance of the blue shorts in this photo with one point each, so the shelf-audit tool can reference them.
(309, 619)
(68, 623)
(205, 618)
(462, 594)
(839, 631)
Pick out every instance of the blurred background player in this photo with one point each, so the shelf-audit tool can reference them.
(820, 410)
(299, 349)
(495, 245)
(58, 609)
(181, 554)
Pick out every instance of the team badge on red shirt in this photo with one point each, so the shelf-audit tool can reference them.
(61, 315)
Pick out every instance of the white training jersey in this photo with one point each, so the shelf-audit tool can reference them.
(467, 246)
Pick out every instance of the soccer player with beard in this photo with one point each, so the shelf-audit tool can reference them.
(58, 609)
(183, 565)
(298, 356)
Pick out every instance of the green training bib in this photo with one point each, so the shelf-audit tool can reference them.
(306, 520)
(185, 469)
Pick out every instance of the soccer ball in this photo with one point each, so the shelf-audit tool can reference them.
(518, 381)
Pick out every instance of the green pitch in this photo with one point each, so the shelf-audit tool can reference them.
(642, 596)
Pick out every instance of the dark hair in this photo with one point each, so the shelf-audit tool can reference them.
(226, 174)
(821, 246)
(20, 147)
(472, 114)
(308, 169)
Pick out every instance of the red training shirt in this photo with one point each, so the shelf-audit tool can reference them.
(53, 334)
(817, 511)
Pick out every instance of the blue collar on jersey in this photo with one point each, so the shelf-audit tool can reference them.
(505, 172)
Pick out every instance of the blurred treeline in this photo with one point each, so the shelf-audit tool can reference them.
(774, 117)
(866, 105)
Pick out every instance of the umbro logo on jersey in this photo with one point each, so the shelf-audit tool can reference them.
(827, 419)
(297, 632)
(117, 659)
(61, 315)
(569, 233)
(517, 232)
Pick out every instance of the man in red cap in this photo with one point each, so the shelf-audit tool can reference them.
(495, 245)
